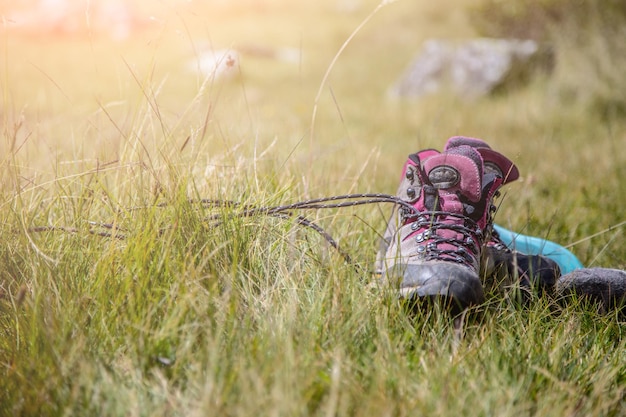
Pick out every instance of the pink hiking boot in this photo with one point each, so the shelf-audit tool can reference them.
(435, 249)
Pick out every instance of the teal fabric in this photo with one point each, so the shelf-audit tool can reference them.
(531, 245)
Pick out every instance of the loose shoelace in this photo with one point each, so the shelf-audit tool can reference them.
(286, 211)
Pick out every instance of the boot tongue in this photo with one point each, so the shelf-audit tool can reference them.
(456, 141)
(458, 171)
(494, 162)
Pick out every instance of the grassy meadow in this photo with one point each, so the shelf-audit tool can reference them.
(121, 296)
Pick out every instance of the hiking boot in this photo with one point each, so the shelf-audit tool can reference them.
(433, 244)
(500, 266)
(503, 268)
(493, 163)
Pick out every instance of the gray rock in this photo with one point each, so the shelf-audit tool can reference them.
(604, 286)
(470, 69)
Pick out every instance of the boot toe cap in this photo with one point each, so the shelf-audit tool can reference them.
(440, 279)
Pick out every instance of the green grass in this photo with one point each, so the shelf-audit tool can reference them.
(171, 315)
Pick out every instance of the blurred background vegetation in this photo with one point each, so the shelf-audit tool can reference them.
(586, 36)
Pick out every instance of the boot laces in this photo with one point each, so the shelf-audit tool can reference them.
(446, 236)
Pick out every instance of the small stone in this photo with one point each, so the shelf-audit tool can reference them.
(604, 286)
(470, 69)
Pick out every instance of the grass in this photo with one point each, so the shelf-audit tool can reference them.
(167, 315)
